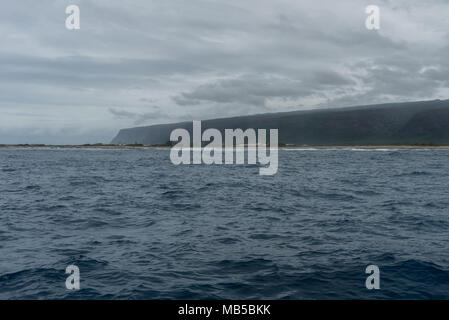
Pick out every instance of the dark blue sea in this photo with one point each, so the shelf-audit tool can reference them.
(139, 227)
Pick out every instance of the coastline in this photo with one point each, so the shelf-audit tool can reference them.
(31, 146)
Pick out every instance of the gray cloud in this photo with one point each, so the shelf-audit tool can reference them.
(204, 59)
(139, 118)
(256, 89)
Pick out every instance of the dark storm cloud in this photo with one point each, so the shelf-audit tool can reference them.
(204, 59)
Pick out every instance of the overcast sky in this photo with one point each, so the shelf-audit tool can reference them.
(136, 63)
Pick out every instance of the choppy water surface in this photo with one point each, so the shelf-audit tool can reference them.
(139, 227)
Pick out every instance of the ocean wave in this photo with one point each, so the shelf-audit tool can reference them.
(139, 227)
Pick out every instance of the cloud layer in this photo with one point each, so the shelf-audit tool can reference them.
(146, 62)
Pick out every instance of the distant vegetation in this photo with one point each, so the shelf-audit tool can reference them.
(414, 124)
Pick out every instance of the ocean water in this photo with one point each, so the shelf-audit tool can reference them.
(139, 227)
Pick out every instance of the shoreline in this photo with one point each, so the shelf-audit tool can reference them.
(31, 146)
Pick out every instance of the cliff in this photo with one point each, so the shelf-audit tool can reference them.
(412, 123)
